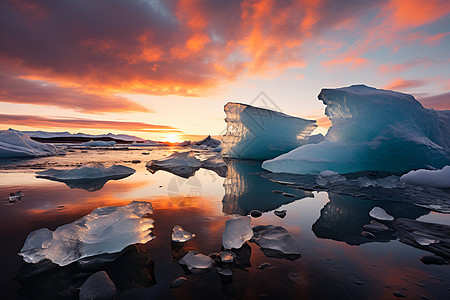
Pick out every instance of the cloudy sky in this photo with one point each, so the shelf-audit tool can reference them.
(165, 69)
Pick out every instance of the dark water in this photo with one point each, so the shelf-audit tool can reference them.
(337, 262)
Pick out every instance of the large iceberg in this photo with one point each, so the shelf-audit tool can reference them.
(15, 144)
(105, 230)
(258, 133)
(372, 130)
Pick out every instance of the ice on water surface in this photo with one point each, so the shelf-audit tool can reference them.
(424, 239)
(328, 177)
(179, 235)
(380, 214)
(88, 171)
(372, 130)
(98, 144)
(237, 232)
(275, 238)
(258, 133)
(193, 260)
(15, 144)
(104, 230)
(435, 178)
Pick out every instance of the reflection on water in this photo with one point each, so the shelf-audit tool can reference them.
(334, 255)
(246, 190)
(343, 218)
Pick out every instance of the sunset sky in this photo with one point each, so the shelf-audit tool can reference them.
(164, 70)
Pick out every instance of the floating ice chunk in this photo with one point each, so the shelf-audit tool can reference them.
(15, 197)
(256, 213)
(183, 164)
(225, 271)
(254, 133)
(433, 260)
(227, 256)
(424, 239)
(15, 144)
(368, 234)
(280, 213)
(88, 171)
(275, 238)
(435, 178)
(372, 130)
(376, 226)
(178, 282)
(237, 232)
(193, 260)
(98, 286)
(366, 182)
(389, 182)
(98, 144)
(380, 214)
(105, 230)
(179, 235)
(328, 178)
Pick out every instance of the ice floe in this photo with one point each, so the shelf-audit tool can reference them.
(435, 178)
(15, 144)
(104, 230)
(237, 232)
(98, 144)
(88, 171)
(254, 133)
(372, 130)
(275, 241)
(179, 235)
(380, 214)
(193, 260)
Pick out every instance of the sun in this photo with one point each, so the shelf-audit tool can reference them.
(173, 138)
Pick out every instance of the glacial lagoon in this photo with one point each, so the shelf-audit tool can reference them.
(336, 262)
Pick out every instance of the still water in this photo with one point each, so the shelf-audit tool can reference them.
(336, 261)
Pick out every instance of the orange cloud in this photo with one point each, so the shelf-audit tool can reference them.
(440, 101)
(79, 123)
(397, 68)
(351, 62)
(402, 84)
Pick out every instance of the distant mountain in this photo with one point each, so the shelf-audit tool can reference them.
(67, 137)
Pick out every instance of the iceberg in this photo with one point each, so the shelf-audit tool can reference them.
(208, 142)
(237, 232)
(275, 241)
(435, 178)
(104, 230)
(15, 144)
(372, 130)
(258, 133)
(98, 144)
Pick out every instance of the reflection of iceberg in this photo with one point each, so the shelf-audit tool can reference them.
(245, 190)
(258, 133)
(372, 130)
(344, 217)
(185, 164)
(105, 230)
(371, 186)
(131, 268)
(15, 144)
(91, 177)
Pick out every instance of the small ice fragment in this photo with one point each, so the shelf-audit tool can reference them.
(424, 239)
(15, 197)
(368, 234)
(225, 271)
(227, 256)
(329, 177)
(376, 226)
(179, 235)
(275, 238)
(366, 182)
(237, 232)
(255, 213)
(280, 213)
(98, 286)
(380, 214)
(194, 260)
(399, 294)
(178, 282)
(263, 266)
(389, 182)
(277, 192)
(289, 195)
